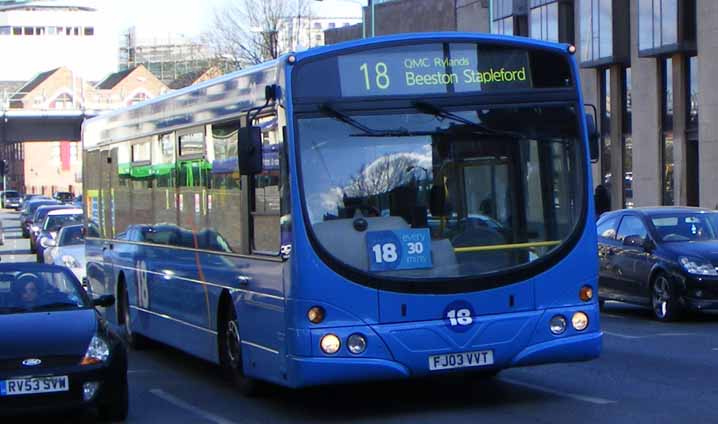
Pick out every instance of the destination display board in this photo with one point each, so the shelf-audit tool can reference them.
(431, 69)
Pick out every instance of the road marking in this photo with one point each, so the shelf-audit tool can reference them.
(189, 407)
(139, 371)
(715, 348)
(589, 399)
(677, 334)
(622, 336)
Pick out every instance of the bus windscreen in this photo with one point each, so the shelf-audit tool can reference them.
(431, 69)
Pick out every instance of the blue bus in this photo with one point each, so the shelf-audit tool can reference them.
(388, 208)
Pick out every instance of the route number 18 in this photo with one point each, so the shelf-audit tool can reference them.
(381, 76)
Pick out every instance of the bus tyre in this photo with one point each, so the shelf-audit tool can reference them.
(664, 302)
(230, 355)
(133, 340)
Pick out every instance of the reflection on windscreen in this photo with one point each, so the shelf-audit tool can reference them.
(686, 227)
(22, 291)
(55, 222)
(491, 197)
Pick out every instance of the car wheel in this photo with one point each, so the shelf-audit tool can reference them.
(134, 340)
(665, 304)
(115, 404)
(230, 354)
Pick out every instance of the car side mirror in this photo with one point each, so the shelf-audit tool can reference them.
(635, 241)
(104, 301)
(250, 150)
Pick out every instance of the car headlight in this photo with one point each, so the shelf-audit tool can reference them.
(697, 266)
(70, 262)
(97, 352)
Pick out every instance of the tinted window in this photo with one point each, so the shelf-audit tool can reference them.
(607, 228)
(71, 235)
(686, 227)
(631, 226)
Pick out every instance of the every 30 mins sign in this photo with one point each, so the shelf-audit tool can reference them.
(399, 249)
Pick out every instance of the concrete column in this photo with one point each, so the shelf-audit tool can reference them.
(616, 132)
(646, 122)
(680, 194)
(707, 34)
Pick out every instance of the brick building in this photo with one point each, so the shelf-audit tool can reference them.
(47, 167)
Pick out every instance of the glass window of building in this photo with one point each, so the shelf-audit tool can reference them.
(605, 88)
(502, 17)
(667, 139)
(666, 26)
(543, 20)
(627, 141)
(596, 30)
(692, 74)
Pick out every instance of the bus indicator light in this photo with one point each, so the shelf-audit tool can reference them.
(586, 293)
(315, 314)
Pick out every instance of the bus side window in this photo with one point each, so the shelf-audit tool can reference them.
(266, 197)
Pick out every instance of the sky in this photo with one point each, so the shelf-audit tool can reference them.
(189, 17)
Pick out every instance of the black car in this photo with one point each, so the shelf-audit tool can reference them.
(28, 210)
(56, 352)
(663, 257)
(64, 196)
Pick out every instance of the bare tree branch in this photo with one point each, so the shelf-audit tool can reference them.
(246, 32)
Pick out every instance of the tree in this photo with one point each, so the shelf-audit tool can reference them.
(247, 32)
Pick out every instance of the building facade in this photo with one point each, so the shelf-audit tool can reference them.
(646, 65)
(308, 30)
(48, 167)
(39, 35)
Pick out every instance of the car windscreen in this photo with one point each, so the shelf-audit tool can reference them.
(42, 289)
(55, 222)
(686, 227)
(11, 194)
(71, 235)
(33, 207)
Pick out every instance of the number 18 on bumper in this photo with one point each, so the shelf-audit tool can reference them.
(399, 249)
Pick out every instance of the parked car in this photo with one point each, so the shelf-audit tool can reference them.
(37, 221)
(663, 257)
(63, 196)
(10, 199)
(68, 249)
(28, 211)
(53, 222)
(78, 201)
(57, 352)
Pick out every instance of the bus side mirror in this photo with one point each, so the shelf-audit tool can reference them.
(250, 150)
(593, 138)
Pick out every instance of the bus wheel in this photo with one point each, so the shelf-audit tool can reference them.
(134, 340)
(230, 354)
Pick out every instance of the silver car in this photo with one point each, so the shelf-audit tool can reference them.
(68, 250)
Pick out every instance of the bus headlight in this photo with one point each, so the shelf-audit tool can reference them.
(356, 343)
(579, 320)
(557, 324)
(330, 344)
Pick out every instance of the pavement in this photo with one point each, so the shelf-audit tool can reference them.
(649, 372)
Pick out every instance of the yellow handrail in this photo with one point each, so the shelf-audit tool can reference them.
(506, 246)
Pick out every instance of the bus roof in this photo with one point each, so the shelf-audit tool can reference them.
(225, 97)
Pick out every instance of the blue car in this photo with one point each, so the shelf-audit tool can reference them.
(56, 352)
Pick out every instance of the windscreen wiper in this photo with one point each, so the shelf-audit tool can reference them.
(431, 109)
(327, 110)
